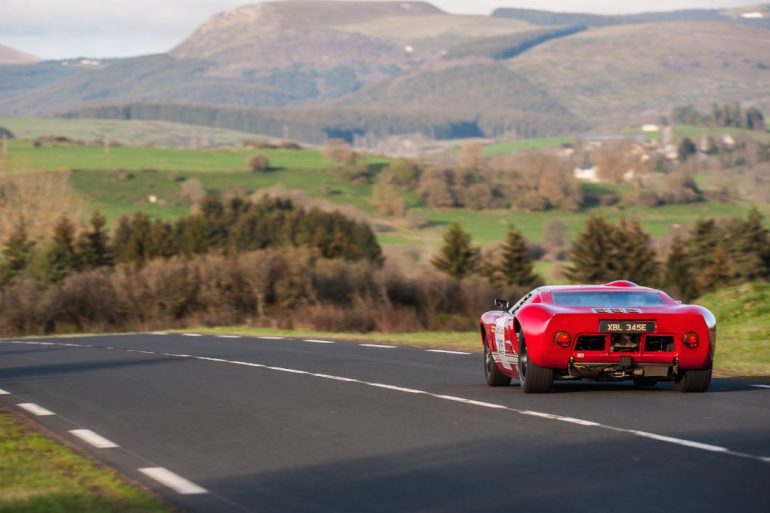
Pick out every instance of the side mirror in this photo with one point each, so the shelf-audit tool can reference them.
(502, 304)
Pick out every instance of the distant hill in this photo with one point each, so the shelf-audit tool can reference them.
(350, 69)
(9, 55)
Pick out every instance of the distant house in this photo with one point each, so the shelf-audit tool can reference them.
(753, 15)
(587, 174)
(650, 128)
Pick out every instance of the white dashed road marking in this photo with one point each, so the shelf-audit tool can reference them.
(377, 346)
(270, 338)
(35, 409)
(228, 336)
(4, 392)
(165, 474)
(444, 351)
(192, 335)
(158, 333)
(93, 439)
(315, 341)
(173, 481)
(761, 386)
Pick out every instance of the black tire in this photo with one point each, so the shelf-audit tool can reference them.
(492, 374)
(693, 380)
(645, 382)
(534, 379)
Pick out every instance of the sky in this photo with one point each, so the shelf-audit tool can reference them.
(59, 29)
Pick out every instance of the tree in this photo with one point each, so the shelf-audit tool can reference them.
(556, 239)
(338, 152)
(17, 252)
(61, 258)
(749, 247)
(679, 278)
(633, 256)
(604, 252)
(590, 254)
(93, 246)
(258, 163)
(686, 148)
(704, 240)
(514, 267)
(471, 156)
(458, 257)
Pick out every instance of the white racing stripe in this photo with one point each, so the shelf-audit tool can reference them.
(173, 481)
(4, 392)
(35, 409)
(377, 346)
(316, 341)
(444, 351)
(547, 416)
(93, 439)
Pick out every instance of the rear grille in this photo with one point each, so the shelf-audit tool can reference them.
(617, 310)
(624, 343)
(653, 344)
(591, 343)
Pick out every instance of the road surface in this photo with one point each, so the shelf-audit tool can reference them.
(290, 425)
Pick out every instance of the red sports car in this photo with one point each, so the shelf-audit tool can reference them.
(613, 332)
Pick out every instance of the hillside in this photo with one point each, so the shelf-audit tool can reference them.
(9, 55)
(601, 75)
(375, 69)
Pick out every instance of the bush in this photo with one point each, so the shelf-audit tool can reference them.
(258, 163)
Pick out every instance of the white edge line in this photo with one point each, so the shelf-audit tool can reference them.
(192, 335)
(271, 338)
(158, 333)
(317, 341)
(377, 346)
(173, 481)
(4, 392)
(444, 351)
(93, 439)
(35, 409)
(228, 336)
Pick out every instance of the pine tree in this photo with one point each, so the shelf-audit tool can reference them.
(61, 258)
(162, 239)
(680, 279)
(719, 273)
(458, 257)
(704, 241)
(634, 259)
(121, 239)
(749, 248)
(514, 266)
(139, 248)
(93, 246)
(590, 254)
(18, 250)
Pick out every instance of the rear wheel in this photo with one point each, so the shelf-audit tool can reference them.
(534, 379)
(492, 374)
(697, 380)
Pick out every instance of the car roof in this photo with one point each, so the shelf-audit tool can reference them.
(615, 286)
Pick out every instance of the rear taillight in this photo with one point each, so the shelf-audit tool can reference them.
(562, 339)
(690, 340)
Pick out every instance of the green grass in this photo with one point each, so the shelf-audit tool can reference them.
(40, 476)
(743, 329)
(506, 147)
(129, 132)
(24, 156)
(458, 341)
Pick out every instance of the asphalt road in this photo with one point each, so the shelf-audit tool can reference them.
(254, 424)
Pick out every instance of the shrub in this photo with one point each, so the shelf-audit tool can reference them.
(258, 163)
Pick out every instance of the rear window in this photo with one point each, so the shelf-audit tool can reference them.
(607, 299)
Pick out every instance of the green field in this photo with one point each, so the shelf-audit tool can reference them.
(151, 179)
(127, 132)
(38, 475)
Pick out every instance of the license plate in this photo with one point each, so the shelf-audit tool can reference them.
(626, 326)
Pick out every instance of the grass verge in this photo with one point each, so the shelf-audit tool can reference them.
(39, 475)
(743, 347)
